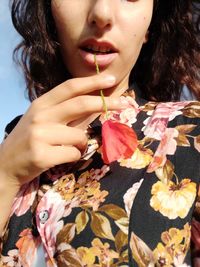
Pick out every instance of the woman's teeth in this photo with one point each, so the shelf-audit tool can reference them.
(98, 50)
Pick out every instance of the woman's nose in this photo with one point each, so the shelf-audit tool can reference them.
(101, 14)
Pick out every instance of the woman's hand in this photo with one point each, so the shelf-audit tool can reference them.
(45, 136)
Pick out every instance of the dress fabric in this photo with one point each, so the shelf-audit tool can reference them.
(140, 211)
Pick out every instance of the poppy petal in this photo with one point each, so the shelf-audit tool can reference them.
(118, 140)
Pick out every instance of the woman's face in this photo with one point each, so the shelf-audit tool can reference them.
(114, 30)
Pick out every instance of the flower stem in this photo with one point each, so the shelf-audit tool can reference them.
(101, 91)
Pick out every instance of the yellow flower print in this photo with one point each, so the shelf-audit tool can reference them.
(177, 240)
(173, 200)
(100, 253)
(172, 238)
(93, 199)
(105, 255)
(87, 256)
(140, 159)
(85, 193)
(176, 244)
(170, 252)
(163, 258)
(65, 186)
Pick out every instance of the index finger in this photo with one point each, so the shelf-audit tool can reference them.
(75, 87)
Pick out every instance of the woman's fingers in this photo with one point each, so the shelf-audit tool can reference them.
(59, 134)
(51, 156)
(62, 154)
(43, 137)
(78, 107)
(75, 87)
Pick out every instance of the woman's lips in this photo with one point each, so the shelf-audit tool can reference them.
(103, 60)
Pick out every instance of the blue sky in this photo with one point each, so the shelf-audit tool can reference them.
(12, 87)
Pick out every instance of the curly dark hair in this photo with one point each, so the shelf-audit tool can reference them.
(169, 59)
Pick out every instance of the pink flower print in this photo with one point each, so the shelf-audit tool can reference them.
(27, 245)
(25, 198)
(130, 196)
(125, 116)
(70, 204)
(167, 146)
(156, 124)
(94, 201)
(97, 174)
(13, 259)
(128, 116)
(155, 127)
(168, 143)
(49, 212)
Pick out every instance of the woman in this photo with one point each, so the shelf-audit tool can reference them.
(63, 202)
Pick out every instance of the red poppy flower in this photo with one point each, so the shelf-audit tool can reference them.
(118, 140)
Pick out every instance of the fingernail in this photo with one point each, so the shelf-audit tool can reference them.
(110, 79)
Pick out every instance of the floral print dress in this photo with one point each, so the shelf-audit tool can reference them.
(141, 211)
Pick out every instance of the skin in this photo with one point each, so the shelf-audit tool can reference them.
(52, 131)
(121, 22)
